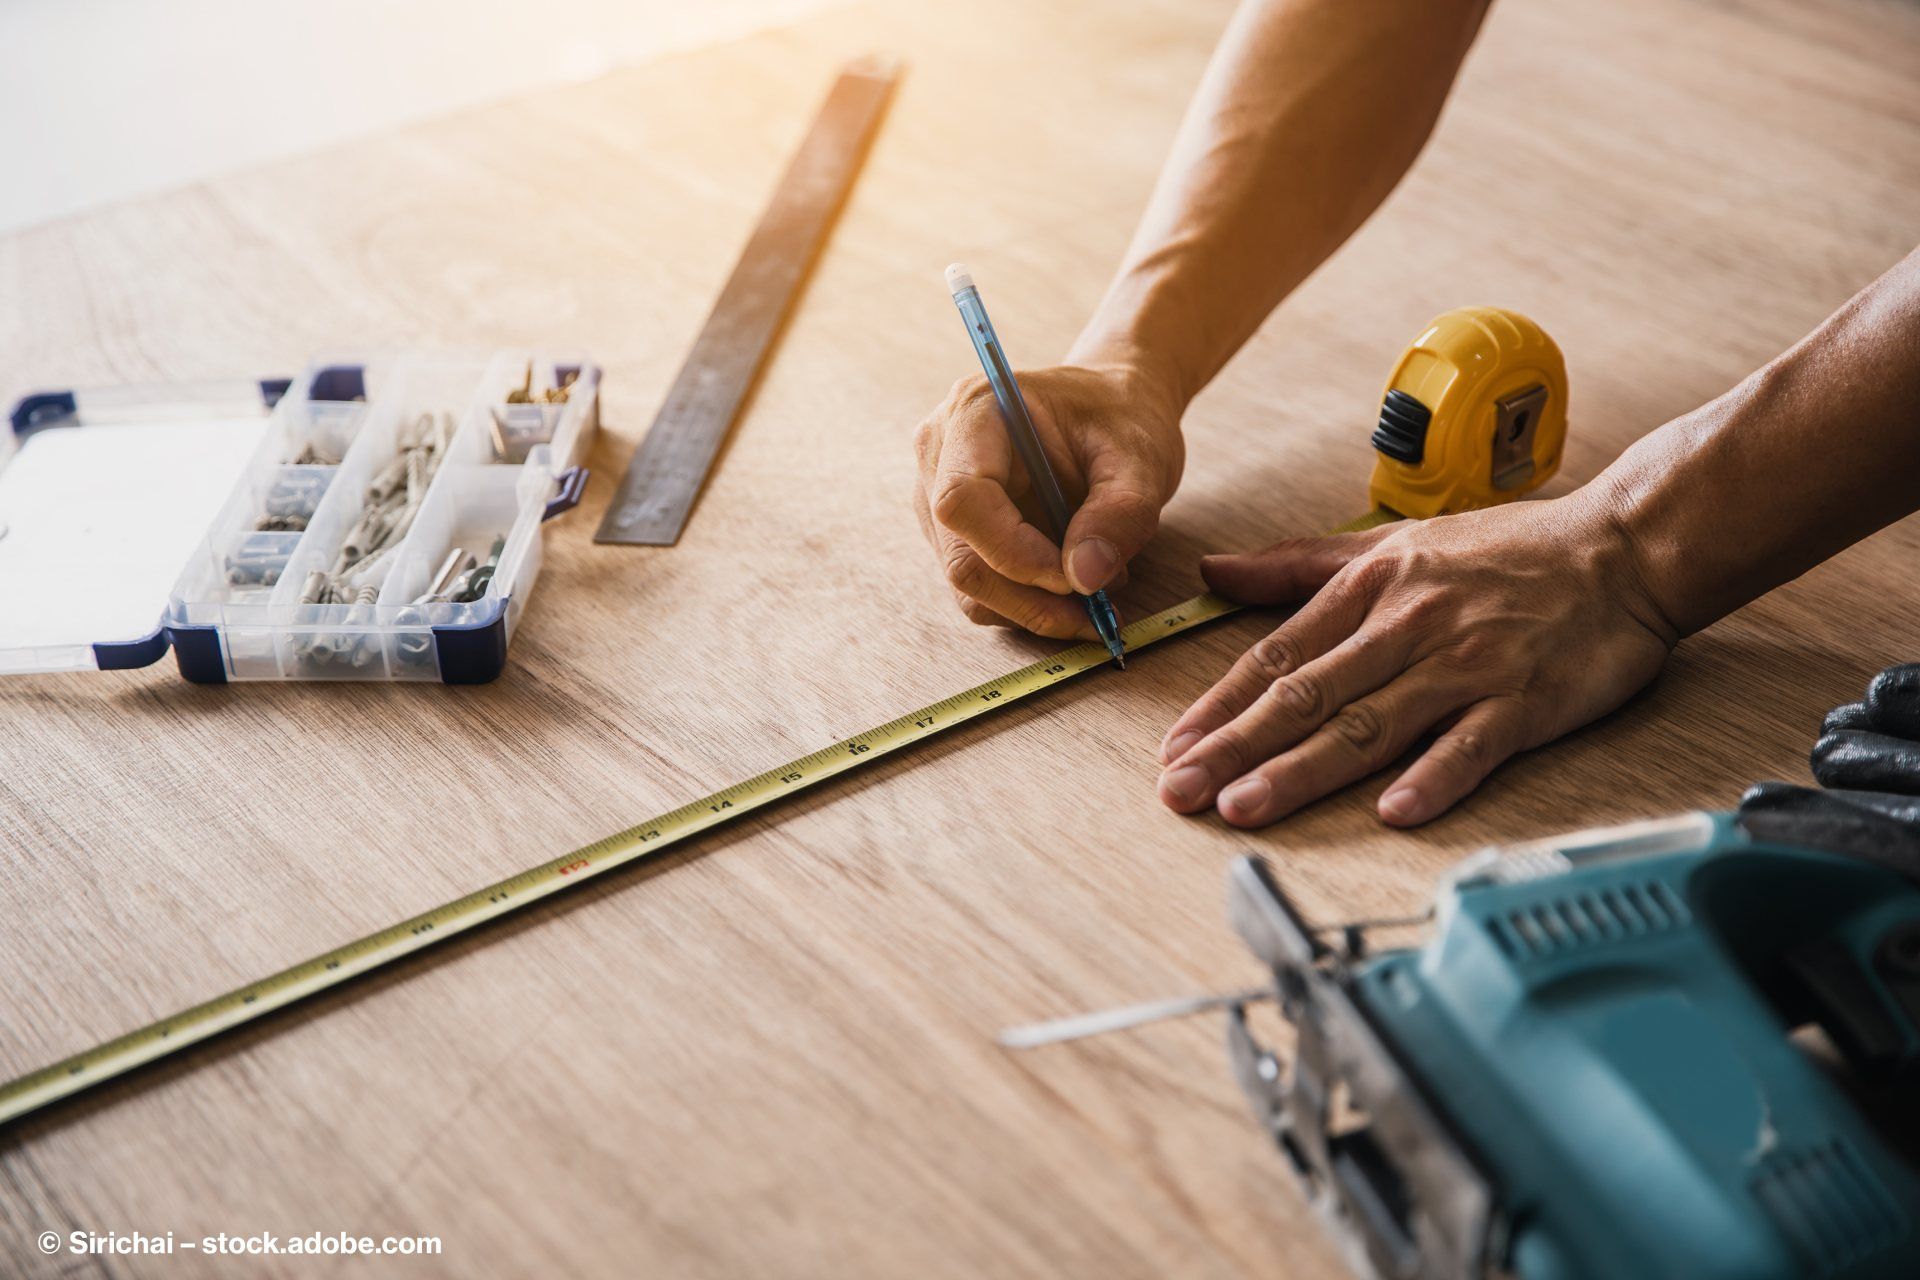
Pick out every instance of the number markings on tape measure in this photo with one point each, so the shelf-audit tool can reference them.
(649, 839)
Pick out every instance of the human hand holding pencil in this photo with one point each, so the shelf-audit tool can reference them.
(1015, 549)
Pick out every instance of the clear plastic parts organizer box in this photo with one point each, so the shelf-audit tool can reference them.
(376, 518)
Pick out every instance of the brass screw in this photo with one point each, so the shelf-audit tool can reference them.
(523, 394)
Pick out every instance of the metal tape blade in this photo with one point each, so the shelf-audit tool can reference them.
(644, 841)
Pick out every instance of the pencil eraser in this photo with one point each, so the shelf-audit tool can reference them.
(958, 277)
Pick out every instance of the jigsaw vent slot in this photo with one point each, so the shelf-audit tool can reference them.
(1570, 922)
(1830, 1205)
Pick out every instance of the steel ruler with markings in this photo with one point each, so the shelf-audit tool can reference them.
(657, 493)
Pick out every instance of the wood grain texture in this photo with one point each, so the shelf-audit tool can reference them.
(773, 1055)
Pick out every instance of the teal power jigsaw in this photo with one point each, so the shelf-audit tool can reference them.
(1587, 1070)
(1687, 1048)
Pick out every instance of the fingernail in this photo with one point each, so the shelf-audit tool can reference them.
(1092, 565)
(1185, 785)
(1400, 805)
(1174, 748)
(1246, 797)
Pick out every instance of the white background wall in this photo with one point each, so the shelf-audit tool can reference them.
(103, 99)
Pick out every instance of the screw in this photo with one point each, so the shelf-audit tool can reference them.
(523, 394)
(473, 584)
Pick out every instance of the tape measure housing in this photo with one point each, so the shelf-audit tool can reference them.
(1474, 414)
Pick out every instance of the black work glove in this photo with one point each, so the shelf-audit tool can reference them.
(1867, 762)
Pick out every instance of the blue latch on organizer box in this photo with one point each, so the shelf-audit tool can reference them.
(376, 518)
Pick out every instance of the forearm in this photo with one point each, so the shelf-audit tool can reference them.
(1309, 113)
(1812, 453)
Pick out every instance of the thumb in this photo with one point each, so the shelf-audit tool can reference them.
(1119, 517)
(1286, 571)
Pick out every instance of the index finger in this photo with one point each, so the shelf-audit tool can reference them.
(1319, 627)
(968, 496)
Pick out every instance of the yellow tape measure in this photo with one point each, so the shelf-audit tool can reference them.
(647, 840)
(655, 836)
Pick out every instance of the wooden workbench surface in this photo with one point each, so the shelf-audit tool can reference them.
(772, 1056)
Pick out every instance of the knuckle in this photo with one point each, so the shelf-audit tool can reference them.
(1273, 656)
(1423, 611)
(950, 498)
(1034, 616)
(1128, 500)
(1373, 571)
(924, 436)
(968, 390)
(1472, 650)
(1419, 559)
(1363, 644)
(1229, 745)
(1466, 752)
(1042, 623)
(1304, 695)
(1025, 614)
(1209, 708)
(977, 613)
(1363, 727)
(966, 572)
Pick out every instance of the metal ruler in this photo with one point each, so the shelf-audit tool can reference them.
(672, 462)
(648, 839)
